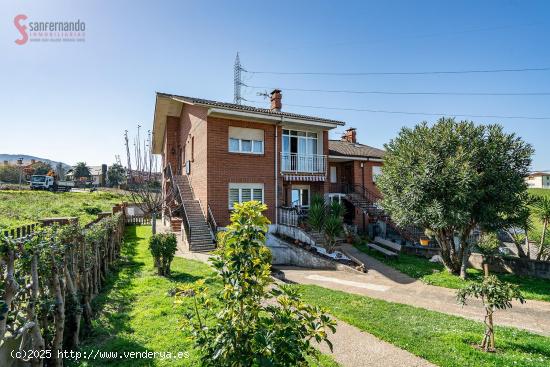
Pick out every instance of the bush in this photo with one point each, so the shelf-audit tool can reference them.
(163, 247)
(259, 323)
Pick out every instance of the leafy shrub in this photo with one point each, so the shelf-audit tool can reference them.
(163, 247)
(93, 210)
(255, 326)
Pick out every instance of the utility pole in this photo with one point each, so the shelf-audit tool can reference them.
(20, 164)
(237, 82)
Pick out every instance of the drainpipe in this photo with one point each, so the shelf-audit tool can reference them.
(276, 171)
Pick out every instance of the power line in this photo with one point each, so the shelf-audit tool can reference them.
(413, 113)
(478, 71)
(403, 93)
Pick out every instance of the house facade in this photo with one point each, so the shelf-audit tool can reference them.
(538, 180)
(217, 154)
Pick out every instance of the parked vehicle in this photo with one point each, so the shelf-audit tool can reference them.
(50, 182)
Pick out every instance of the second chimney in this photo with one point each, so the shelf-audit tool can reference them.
(350, 135)
(276, 100)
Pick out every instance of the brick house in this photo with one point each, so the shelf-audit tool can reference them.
(215, 154)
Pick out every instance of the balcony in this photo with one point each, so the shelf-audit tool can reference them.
(303, 163)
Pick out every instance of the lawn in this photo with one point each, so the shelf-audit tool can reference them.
(24, 207)
(137, 314)
(445, 340)
(435, 274)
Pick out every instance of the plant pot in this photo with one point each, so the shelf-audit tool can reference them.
(424, 241)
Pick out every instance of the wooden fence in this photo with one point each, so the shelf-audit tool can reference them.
(21, 231)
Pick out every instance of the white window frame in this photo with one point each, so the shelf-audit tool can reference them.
(301, 188)
(244, 186)
(240, 150)
(376, 171)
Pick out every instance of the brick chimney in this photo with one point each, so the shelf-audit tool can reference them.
(350, 135)
(276, 98)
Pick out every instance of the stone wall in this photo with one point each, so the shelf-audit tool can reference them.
(525, 267)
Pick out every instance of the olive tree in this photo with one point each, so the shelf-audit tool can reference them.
(453, 177)
(495, 295)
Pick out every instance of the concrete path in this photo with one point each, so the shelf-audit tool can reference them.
(384, 282)
(353, 348)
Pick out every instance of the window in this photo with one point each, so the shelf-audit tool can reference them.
(376, 171)
(333, 174)
(300, 142)
(240, 193)
(243, 140)
(300, 196)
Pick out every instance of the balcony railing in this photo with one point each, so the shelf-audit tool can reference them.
(303, 163)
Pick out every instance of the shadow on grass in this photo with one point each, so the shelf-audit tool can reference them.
(112, 309)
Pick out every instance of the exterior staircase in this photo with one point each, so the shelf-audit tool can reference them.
(369, 203)
(197, 231)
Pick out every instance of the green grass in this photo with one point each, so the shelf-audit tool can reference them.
(436, 274)
(137, 314)
(445, 340)
(539, 192)
(25, 207)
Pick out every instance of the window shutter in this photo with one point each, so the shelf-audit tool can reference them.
(257, 195)
(246, 195)
(233, 197)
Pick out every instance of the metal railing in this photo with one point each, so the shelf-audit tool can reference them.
(211, 221)
(303, 163)
(292, 216)
(369, 202)
(178, 200)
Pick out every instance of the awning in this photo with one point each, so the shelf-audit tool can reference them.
(311, 178)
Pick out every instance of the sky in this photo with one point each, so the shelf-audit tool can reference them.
(72, 101)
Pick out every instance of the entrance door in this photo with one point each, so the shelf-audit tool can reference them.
(347, 176)
(300, 196)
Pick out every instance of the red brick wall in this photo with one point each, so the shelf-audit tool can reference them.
(193, 133)
(225, 167)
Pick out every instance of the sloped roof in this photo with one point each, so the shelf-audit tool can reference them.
(347, 149)
(244, 108)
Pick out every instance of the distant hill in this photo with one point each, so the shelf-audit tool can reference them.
(12, 158)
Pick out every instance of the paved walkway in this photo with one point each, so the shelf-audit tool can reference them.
(353, 348)
(384, 282)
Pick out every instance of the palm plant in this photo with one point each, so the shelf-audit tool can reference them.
(317, 213)
(542, 212)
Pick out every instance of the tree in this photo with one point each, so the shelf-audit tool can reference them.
(251, 321)
(542, 212)
(488, 246)
(453, 177)
(41, 168)
(9, 174)
(317, 212)
(60, 170)
(82, 170)
(115, 174)
(495, 295)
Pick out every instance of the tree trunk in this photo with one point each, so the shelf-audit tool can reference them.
(154, 222)
(542, 238)
(488, 342)
(57, 292)
(448, 253)
(37, 341)
(73, 321)
(10, 290)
